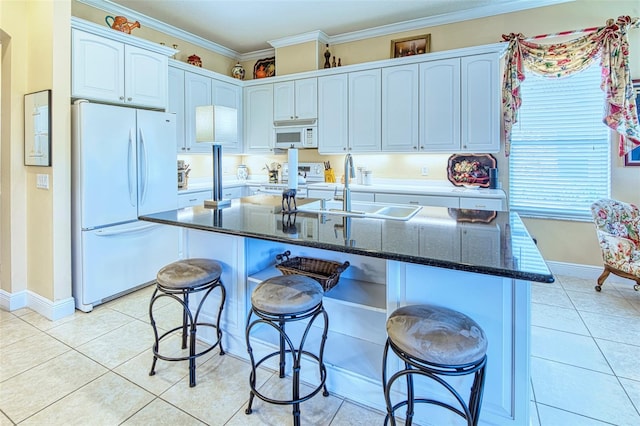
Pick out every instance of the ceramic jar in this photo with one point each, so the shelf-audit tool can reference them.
(242, 173)
(237, 71)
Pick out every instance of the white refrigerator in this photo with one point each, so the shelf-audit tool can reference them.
(123, 166)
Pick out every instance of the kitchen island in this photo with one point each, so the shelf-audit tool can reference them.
(478, 262)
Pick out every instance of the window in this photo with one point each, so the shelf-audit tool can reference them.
(559, 162)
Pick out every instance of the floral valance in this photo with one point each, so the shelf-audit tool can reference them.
(608, 43)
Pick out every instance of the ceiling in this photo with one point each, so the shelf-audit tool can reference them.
(245, 26)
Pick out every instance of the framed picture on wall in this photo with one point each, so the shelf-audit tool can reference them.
(37, 129)
(408, 46)
(633, 157)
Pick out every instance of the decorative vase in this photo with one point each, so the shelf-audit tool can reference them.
(195, 60)
(242, 173)
(327, 56)
(237, 71)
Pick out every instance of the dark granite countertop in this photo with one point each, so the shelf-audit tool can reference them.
(494, 243)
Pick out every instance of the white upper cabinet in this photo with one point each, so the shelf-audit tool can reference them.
(197, 92)
(365, 106)
(460, 104)
(111, 71)
(175, 104)
(440, 105)
(480, 103)
(258, 118)
(229, 95)
(295, 100)
(400, 108)
(349, 112)
(333, 119)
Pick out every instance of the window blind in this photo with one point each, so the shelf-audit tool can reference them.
(559, 162)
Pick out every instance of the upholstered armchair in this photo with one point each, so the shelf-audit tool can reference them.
(617, 225)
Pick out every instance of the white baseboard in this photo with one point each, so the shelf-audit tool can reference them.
(577, 270)
(45, 307)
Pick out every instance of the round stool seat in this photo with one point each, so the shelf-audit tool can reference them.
(287, 294)
(437, 335)
(189, 273)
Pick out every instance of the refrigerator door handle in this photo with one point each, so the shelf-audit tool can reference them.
(132, 169)
(144, 166)
(109, 233)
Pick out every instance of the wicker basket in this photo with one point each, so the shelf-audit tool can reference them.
(326, 272)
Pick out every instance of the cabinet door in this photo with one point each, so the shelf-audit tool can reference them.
(440, 105)
(306, 98)
(175, 104)
(333, 119)
(436, 242)
(365, 106)
(145, 77)
(481, 244)
(258, 114)
(97, 68)
(284, 101)
(480, 104)
(229, 95)
(197, 90)
(400, 108)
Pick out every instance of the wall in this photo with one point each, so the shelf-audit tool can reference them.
(36, 253)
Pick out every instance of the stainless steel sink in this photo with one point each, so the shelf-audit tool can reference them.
(362, 209)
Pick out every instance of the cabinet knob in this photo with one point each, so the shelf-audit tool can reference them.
(121, 98)
(188, 149)
(415, 147)
(291, 117)
(129, 99)
(421, 146)
(344, 149)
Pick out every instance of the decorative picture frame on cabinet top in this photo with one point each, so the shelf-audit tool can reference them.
(37, 129)
(408, 46)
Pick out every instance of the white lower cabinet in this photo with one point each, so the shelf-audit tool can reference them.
(194, 198)
(420, 200)
(495, 204)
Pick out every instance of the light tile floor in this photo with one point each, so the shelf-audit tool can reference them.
(93, 368)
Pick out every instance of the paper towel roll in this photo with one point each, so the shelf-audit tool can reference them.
(293, 168)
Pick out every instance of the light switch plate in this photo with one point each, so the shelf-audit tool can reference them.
(42, 181)
(424, 171)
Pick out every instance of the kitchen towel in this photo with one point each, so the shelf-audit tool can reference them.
(293, 168)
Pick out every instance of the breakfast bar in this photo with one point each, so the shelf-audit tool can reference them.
(478, 262)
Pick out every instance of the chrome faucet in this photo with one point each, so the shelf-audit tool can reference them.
(349, 172)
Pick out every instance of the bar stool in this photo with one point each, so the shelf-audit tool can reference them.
(276, 302)
(178, 281)
(434, 341)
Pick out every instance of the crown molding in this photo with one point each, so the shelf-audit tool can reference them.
(258, 54)
(110, 7)
(317, 35)
(415, 24)
(444, 19)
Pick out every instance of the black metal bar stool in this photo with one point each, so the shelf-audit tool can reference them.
(178, 281)
(278, 301)
(434, 341)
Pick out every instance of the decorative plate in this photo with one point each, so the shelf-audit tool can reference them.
(470, 169)
(473, 216)
(265, 68)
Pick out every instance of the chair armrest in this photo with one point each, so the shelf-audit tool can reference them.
(615, 250)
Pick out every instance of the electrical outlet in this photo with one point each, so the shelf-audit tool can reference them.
(424, 171)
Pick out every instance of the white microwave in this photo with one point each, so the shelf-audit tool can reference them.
(296, 137)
